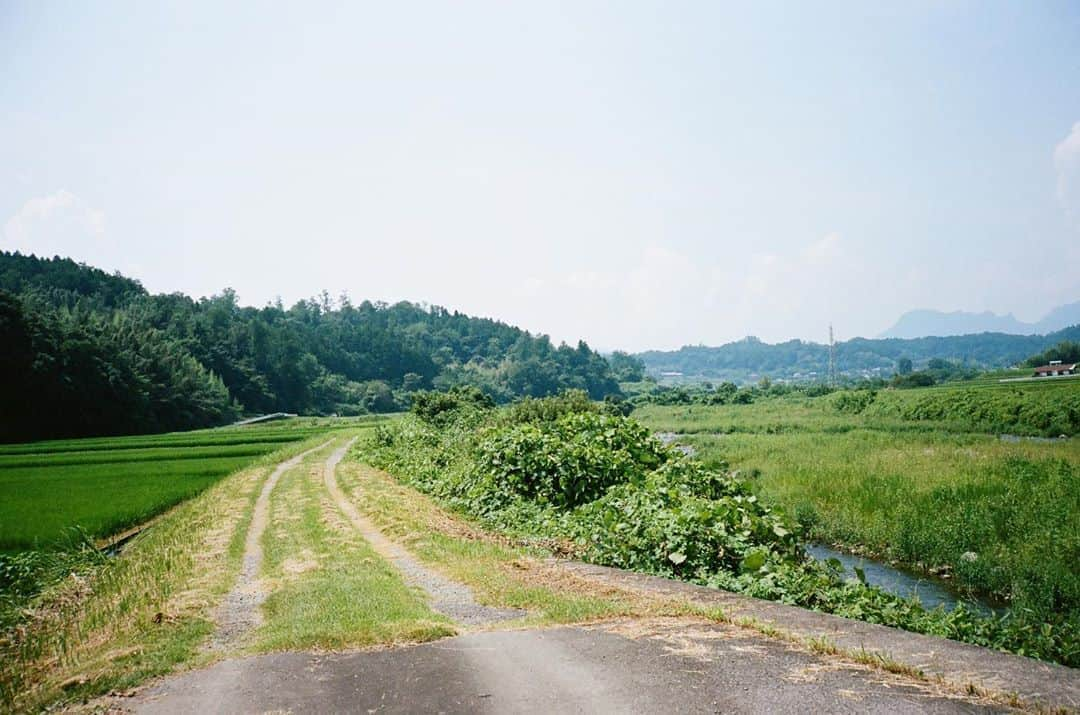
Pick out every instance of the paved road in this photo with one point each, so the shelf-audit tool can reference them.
(665, 666)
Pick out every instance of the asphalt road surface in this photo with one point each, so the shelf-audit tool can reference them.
(673, 665)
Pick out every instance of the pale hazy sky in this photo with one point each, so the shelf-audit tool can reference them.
(636, 174)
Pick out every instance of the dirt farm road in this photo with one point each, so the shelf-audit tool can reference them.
(650, 665)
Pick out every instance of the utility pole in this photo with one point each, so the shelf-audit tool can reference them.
(832, 358)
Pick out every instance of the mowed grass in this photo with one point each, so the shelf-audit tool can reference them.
(329, 588)
(999, 517)
(104, 485)
(499, 573)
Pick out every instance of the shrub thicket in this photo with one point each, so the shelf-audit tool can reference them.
(1030, 409)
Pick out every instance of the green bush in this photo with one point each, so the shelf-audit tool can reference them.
(1029, 410)
(854, 401)
(531, 410)
(682, 521)
(439, 407)
(567, 462)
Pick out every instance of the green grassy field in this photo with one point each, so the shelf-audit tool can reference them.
(1000, 518)
(1047, 407)
(104, 485)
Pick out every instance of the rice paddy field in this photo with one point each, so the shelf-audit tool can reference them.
(105, 485)
(947, 480)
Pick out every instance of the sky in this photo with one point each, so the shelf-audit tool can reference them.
(637, 175)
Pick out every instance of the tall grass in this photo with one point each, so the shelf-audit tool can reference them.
(1048, 408)
(999, 518)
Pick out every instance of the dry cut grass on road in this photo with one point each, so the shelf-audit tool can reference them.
(500, 573)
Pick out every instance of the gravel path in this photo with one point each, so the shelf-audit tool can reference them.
(447, 597)
(239, 611)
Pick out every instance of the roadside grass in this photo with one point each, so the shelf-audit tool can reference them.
(329, 587)
(1002, 518)
(500, 572)
(140, 614)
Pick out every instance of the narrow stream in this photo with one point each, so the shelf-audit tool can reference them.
(930, 592)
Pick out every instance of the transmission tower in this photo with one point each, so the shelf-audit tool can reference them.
(832, 358)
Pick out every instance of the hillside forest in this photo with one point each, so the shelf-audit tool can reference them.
(91, 353)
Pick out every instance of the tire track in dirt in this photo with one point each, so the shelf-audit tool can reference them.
(448, 597)
(239, 611)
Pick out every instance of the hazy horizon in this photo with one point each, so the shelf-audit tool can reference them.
(640, 176)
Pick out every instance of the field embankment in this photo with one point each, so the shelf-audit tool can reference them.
(1047, 408)
(560, 469)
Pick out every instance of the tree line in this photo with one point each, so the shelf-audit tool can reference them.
(746, 360)
(92, 353)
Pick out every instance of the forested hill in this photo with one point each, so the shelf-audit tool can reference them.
(89, 353)
(750, 359)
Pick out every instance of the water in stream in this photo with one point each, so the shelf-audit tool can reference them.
(930, 592)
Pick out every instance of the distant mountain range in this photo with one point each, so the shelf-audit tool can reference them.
(750, 359)
(925, 323)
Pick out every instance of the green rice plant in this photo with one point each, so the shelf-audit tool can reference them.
(104, 485)
(146, 454)
(38, 503)
(278, 432)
